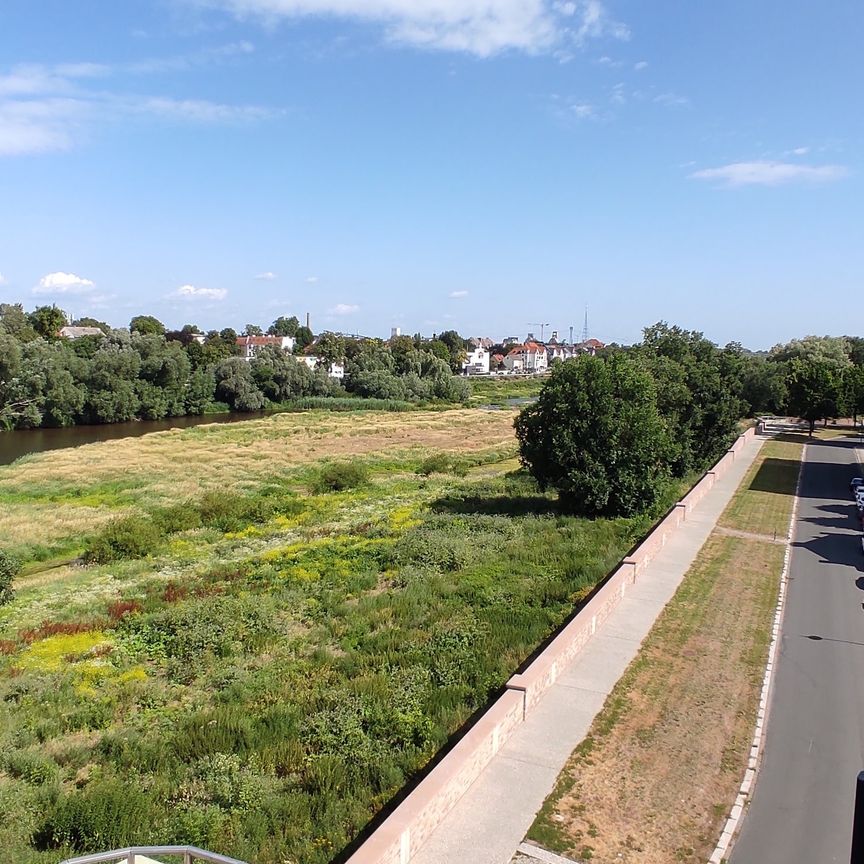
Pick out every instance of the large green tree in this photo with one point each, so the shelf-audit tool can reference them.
(814, 387)
(47, 321)
(596, 435)
(146, 325)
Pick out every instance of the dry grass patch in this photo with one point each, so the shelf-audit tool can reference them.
(653, 780)
(218, 456)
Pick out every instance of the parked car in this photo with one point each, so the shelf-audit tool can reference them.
(856, 483)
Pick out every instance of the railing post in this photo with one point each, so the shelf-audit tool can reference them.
(187, 857)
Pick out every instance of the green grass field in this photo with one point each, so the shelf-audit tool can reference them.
(295, 641)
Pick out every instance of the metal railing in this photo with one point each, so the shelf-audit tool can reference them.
(189, 853)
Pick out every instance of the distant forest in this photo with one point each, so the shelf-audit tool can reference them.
(149, 372)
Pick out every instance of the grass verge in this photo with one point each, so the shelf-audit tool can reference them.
(661, 766)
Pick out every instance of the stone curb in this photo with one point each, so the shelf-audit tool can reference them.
(733, 823)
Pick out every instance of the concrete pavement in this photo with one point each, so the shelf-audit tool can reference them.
(801, 809)
(488, 823)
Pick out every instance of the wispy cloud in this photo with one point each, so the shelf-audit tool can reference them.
(583, 111)
(344, 309)
(311, 280)
(195, 293)
(457, 295)
(63, 283)
(47, 108)
(3, 280)
(479, 27)
(766, 173)
(642, 64)
(671, 100)
(266, 277)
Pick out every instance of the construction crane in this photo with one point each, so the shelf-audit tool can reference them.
(541, 326)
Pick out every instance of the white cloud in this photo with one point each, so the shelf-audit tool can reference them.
(480, 27)
(583, 111)
(3, 280)
(766, 173)
(456, 295)
(63, 283)
(800, 151)
(266, 277)
(311, 280)
(197, 110)
(672, 100)
(642, 64)
(49, 108)
(344, 309)
(201, 293)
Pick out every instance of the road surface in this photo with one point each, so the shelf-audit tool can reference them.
(801, 811)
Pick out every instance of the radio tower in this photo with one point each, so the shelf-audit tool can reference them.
(585, 325)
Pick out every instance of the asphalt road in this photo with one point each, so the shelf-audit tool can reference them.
(801, 811)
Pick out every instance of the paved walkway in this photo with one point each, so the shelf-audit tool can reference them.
(489, 822)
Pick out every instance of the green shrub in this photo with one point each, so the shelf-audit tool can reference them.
(10, 567)
(124, 538)
(180, 517)
(443, 463)
(338, 476)
(106, 814)
(32, 767)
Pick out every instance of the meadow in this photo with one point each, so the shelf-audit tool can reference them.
(250, 637)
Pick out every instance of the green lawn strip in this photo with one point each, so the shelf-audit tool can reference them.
(264, 692)
(763, 502)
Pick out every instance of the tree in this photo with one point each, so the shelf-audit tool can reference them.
(596, 435)
(47, 321)
(456, 346)
(814, 389)
(330, 347)
(252, 330)
(698, 391)
(86, 321)
(15, 321)
(303, 338)
(146, 325)
(832, 350)
(236, 386)
(283, 326)
(852, 389)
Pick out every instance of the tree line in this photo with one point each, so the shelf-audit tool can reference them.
(609, 432)
(150, 372)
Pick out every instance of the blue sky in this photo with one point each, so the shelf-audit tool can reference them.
(428, 164)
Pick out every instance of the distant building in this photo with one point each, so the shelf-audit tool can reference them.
(590, 346)
(476, 361)
(70, 332)
(510, 340)
(480, 342)
(250, 345)
(336, 370)
(528, 358)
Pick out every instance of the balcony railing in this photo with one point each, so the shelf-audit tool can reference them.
(189, 854)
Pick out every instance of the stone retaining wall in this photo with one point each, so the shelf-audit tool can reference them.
(405, 830)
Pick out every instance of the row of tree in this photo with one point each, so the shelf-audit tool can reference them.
(609, 432)
(149, 372)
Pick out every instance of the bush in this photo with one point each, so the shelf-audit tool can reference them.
(124, 538)
(10, 567)
(443, 463)
(107, 814)
(339, 476)
(32, 767)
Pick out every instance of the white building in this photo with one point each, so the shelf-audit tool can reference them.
(476, 361)
(528, 358)
(336, 370)
(70, 332)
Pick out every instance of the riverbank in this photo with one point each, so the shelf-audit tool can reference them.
(299, 641)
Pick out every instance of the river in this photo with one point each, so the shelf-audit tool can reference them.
(14, 445)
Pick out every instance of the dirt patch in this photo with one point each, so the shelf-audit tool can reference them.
(656, 775)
